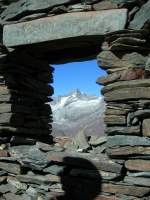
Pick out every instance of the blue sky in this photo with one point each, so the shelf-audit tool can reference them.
(77, 75)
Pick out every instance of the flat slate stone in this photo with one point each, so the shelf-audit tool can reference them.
(138, 181)
(141, 17)
(138, 165)
(128, 94)
(64, 26)
(126, 85)
(23, 7)
(129, 151)
(133, 130)
(121, 140)
(124, 189)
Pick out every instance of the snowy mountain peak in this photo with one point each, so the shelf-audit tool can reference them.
(75, 111)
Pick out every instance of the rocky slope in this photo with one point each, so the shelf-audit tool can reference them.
(78, 111)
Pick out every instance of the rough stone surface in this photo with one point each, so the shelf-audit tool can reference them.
(146, 127)
(141, 17)
(138, 165)
(90, 25)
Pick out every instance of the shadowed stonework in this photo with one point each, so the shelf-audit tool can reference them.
(33, 165)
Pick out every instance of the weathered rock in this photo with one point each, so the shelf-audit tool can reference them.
(105, 5)
(137, 181)
(101, 162)
(139, 174)
(54, 169)
(10, 196)
(121, 140)
(104, 80)
(126, 85)
(38, 179)
(115, 119)
(10, 167)
(22, 8)
(115, 111)
(146, 127)
(129, 151)
(110, 60)
(133, 130)
(141, 17)
(124, 189)
(95, 141)
(138, 165)
(71, 27)
(128, 94)
(14, 182)
(29, 156)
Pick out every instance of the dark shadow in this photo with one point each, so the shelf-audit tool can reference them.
(81, 181)
(25, 90)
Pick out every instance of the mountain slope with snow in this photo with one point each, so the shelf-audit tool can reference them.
(78, 111)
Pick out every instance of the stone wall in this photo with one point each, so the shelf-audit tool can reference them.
(35, 166)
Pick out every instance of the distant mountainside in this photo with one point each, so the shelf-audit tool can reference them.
(78, 111)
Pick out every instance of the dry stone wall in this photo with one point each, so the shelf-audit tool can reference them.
(35, 166)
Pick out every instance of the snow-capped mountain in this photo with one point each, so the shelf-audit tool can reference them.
(78, 111)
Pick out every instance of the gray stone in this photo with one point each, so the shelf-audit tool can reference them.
(121, 140)
(127, 85)
(133, 130)
(10, 167)
(139, 174)
(64, 26)
(144, 152)
(23, 7)
(15, 183)
(101, 161)
(38, 179)
(29, 156)
(110, 60)
(141, 17)
(128, 94)
(95, 140)
(138, 181)
(54, 169)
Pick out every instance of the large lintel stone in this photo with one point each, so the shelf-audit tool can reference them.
(72, 25)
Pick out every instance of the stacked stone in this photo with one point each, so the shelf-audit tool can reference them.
(25, 90)
(126, 90)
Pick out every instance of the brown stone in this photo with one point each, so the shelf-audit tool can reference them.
(129, 151)
(115, 111)
(106, 198)
(146, 127)
(124, 189)
(104, 80)
(3, 153)
(115, 119)
(132, 130)
(104, 5)
(138, 165)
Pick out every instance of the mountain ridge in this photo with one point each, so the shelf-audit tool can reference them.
(78, 111)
